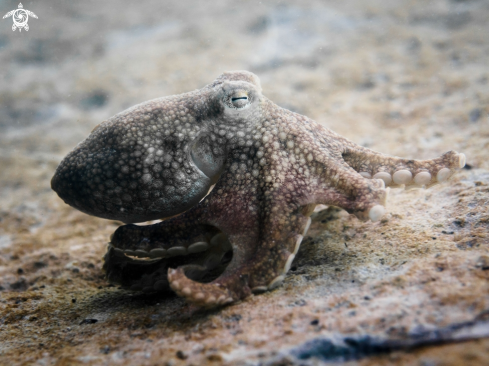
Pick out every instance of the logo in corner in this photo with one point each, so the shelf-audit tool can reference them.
(20, 17)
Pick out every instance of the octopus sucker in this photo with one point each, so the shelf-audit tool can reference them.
(236, 177)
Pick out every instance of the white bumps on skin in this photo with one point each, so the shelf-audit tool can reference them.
(211, 301)
(422, 178)
(461, 160)
(402, 176)
(298, 243)
(386, 177)
(157, 253)
(259, 289)
(141, 253)
(308, 224)
(288, 263)
(218, 239)
(174, 251)
(376, 213)
(276, 282)
(443, 175)
(200, 246)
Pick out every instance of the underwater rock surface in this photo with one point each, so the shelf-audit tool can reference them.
(407, 79)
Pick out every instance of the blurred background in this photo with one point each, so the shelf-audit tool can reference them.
(408, 78)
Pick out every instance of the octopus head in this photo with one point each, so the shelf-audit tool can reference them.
(159, 158)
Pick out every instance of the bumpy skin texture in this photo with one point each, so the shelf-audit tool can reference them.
(270, 168)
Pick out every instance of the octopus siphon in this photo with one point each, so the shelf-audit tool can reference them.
(234, 177)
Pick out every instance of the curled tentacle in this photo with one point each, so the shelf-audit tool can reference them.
(178, 236)
(135, 272)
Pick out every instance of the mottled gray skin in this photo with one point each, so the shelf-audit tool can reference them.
(270, 168)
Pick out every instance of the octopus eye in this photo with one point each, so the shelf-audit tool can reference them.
(238, 100)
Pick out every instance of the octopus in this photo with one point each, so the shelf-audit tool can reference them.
(233, 179)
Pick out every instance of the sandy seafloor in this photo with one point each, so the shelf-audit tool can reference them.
(407, 78)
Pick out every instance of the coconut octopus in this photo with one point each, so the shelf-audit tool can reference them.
(235, 179)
